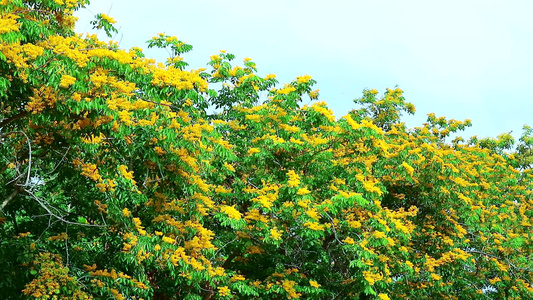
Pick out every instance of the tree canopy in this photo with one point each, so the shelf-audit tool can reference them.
(125, 178)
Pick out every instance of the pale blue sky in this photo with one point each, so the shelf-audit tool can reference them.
(458, 58)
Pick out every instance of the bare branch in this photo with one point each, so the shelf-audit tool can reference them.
(29, 151)
(499, 258)
(13, 118)
(8, 199)
(60, 218)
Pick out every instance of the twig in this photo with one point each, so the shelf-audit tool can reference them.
(9, 198)
(60, 218)
(499, 258)
(13, 118)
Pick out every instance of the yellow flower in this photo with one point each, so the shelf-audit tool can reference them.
(76, 97)
(371, 277)
(288, 286)
(303, 79)
(354, 224)
(166, 239)
(314, 226)
(296, 141)
(435, 276)
(312, 213)
(286, 90)
(108, 18)
(159, 150)
(349, 240)
(237, 278)
(126, 212)
(275, 234)
(313, 94)
(8, 23)
(294, 179)
(408, 263)
(123, 170)
(255, 118)
(379, 234)
(229, 167)
(303, 191)
(408, 168)
(231, 212)
(253, 150)
(383, 296)
(314, 284)
(67, 81)
(223, 291)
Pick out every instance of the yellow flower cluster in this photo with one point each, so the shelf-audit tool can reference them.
(371, 277)
(67, 81)
(8, 23)
(52, 277)
(321, 108)
(231, 212)
(224, 291)
(106, 17)
(294, 179)
(314, 226)
(124, 171)
(303, 79)
(288, 286)
(275, 234)
(91, 171)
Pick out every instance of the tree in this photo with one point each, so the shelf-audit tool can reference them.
(117, 181)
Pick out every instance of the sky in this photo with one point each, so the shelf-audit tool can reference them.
(460, 59)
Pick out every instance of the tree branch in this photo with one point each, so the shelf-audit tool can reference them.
(13, 118)
(60, 218)
(499, 258)
(8, 199)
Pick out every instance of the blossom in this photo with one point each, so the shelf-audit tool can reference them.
(231, 212)
(237, 277)
(288, 286)
(408, 168)
(123, 170)
(372, 278)
(435, 276)
(312, 213)
(275, 234)
(349, 241)
(314, 226)
(383, 296)
(229, 167)
(294, 179)
(253, 150)
(313, 94)
(354, 224)
(166, 239)
(8, 22)
(126, 212)
(67, 81)
(303, 191)
(223, 291)
(303, 79)
(107, 18)
(379, 234)
(314, 284)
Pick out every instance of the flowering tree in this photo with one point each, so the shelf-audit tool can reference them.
(118, 181)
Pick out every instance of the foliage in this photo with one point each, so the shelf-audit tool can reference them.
(118, 181)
